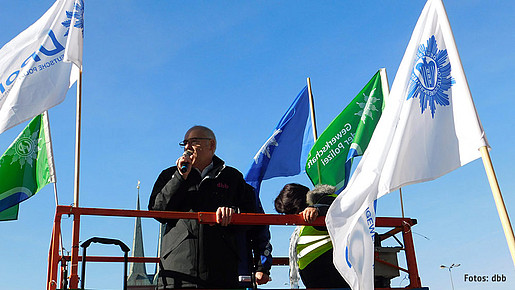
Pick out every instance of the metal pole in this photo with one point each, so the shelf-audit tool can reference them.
(53, 255)
(314, 124)
(77, 141)
(312, 110)
(53, 179)
(125, 265)
(499, 202)
(402, 204)
(83, 276)
(76, 218)
(450, 274)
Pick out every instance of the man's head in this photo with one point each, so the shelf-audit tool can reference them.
(291, 199)
(202, 142)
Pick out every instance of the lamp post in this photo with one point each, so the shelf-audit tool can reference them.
(450, 272)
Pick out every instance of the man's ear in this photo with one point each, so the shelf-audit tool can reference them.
(212, 144)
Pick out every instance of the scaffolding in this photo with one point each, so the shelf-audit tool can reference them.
(385, 257)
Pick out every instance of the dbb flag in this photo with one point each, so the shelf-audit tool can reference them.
(25, 167)
(284, 153)
(33, 76)
(348, 135)
(428, 128)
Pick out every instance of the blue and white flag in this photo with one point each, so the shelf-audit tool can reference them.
(429, 127)
(285, 152)
(33, 74)
(74, 43)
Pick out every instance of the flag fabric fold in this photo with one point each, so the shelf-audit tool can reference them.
(26, 167)
(348, 135)
(74, 42)
(429, 127)
(285, 151)
(33, 76)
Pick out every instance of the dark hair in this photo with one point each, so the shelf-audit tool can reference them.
(291, 199)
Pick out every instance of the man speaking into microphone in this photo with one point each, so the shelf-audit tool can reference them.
(194, 255)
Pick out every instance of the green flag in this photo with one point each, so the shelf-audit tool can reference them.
(347, 135)
(26, 167)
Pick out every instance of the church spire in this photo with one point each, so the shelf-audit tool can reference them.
(138, 272)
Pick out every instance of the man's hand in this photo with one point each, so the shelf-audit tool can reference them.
(184, 160)
(262, 278)
(310, 214)
(224, 215)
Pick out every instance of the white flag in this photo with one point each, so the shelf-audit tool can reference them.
(73, 50)
(33, 76)
(429, 127)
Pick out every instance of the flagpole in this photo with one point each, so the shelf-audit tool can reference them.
(312, 110)
(77, 141)
(50, 150)
(499, 202)
(313, 123)
(402, 204)
(53, 178)
(386, 93)
(74, 278)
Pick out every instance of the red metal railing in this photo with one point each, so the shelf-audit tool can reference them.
(54, 259)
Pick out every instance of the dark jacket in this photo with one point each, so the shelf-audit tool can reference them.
(255, 249)
(254, 246)
(193, 254)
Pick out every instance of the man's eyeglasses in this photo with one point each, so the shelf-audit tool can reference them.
(192, 141)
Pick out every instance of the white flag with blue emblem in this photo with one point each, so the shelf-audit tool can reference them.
(285, 152)
(429, 127)
(75, 23)
(33, 74)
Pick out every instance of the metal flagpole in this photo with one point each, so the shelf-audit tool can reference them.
(74, 278)
(499, 202)
(50, 150)
(312, 109)
(53, 178)
(402, 204)
(77, 141)
(386, 93)
(313, 123)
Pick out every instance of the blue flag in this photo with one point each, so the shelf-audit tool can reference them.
(285, 152)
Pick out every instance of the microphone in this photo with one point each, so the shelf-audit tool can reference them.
(184, 166)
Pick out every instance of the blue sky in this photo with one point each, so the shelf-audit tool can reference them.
(152, 69)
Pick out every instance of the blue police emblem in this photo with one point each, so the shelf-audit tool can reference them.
(78, 14)
(431, 77)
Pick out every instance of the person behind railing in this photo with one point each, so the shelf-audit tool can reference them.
(311, 250)
(194, 255)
